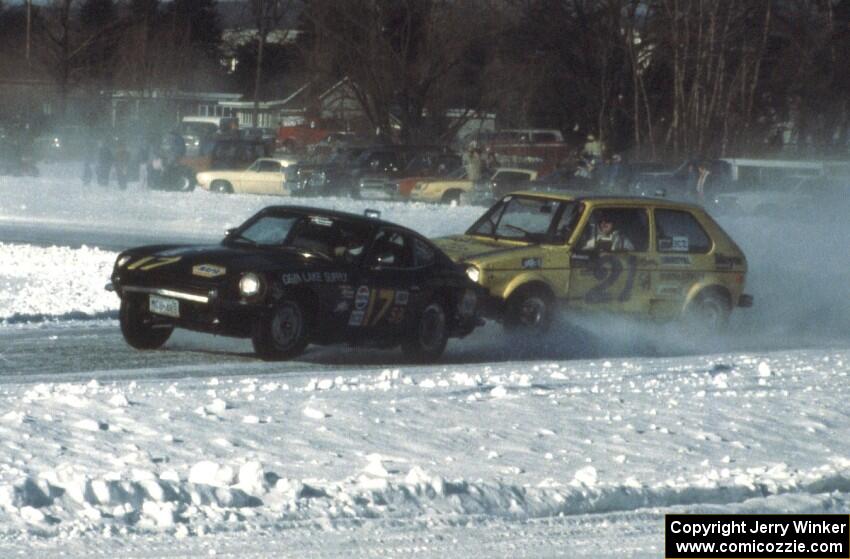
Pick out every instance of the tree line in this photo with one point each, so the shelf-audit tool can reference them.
(655, 78)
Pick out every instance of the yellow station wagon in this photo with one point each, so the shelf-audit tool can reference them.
(642, 257)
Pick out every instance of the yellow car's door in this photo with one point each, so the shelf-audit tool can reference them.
(611, 265)
(685, 254)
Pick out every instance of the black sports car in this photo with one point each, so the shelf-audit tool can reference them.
(291, 276)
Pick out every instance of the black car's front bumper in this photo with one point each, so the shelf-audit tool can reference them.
(203, 312)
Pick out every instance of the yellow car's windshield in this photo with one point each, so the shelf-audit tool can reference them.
(527, 219)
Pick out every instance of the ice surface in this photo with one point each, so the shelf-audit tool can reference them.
(575, 446)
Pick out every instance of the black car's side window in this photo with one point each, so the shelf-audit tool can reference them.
(391, 249)
(423, 254)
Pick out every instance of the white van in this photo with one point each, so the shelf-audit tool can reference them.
(767, 186)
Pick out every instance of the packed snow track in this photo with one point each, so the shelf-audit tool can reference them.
(573, 445)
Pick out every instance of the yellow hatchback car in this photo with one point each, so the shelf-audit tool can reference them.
(642, 257)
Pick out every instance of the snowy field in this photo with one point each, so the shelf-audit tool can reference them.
(574, 446)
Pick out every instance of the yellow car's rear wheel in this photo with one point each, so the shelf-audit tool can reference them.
(709, 312)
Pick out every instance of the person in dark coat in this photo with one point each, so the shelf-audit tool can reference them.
(122, 165)
(103, 163)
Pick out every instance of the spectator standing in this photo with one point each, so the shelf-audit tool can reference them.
(472, 163)
(103, 163)
(87, 172)
(156, 167)
(592, 147)
(615, 173)
(702, 178)
(122, 165)
(489, 161)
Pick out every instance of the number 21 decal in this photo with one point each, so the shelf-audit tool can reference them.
(608, 270)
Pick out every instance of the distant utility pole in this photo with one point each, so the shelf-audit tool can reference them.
(29, 31)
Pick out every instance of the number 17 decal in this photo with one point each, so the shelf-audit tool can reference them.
(386, 296)
(379, 302)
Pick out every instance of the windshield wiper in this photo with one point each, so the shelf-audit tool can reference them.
(520, 229)
(239, 237)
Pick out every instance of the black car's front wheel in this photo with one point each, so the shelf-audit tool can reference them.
(430, 335)
(140, 328)
(282, 333)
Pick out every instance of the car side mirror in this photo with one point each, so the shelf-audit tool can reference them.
(229, 232)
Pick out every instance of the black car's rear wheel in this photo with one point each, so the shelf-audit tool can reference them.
(430, 335)
(283, 333)
(141, 329)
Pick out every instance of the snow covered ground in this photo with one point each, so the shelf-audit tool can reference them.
(575, 445)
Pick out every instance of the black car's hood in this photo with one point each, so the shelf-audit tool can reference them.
(211, 261)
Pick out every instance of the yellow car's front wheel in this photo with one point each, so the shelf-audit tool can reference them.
(529, 308)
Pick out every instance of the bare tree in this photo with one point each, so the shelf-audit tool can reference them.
(268, 15)
(403, 57)
(714, 50)
(66, 44)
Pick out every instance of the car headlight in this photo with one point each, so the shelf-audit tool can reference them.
(122, 261)
(250, 285)
(473, 273)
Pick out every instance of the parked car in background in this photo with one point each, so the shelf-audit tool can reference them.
(257, 133)
(430, 163)
(229, 153)
(264, 176)
(298, 175)
(454, 190)
(502, 182)
(63, 143)
(291, 276)
(302, 137)
(541, 149)
(177, 170)
(344, 180)
(646, 258)
(801, 198)
(14, 161)
(198, 130)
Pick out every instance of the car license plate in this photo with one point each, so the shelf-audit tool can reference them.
(164, 306)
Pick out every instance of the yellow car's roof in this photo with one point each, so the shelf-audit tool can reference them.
(600, 199)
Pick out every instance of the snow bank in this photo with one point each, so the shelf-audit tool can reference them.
(37, 282)
(67, 501)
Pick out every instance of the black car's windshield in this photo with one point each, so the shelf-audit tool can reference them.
(526, 219)
(324, 236)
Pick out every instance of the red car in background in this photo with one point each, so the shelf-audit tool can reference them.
(541, 149)
(302, 137)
